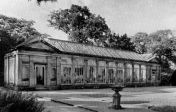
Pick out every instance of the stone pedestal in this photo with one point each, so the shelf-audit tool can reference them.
(116, 97)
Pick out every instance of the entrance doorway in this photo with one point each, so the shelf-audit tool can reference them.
(40, 74)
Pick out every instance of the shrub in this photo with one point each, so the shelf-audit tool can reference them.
(163, 108)
(165, 80)
(11, 101)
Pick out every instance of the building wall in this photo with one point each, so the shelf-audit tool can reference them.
(60, 69)
(10, 69)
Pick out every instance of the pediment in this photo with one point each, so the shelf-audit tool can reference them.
(40, 45)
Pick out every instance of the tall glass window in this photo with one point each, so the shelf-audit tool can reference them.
(128, 76)
(120, 73)
(143, 73)
(91, 74)
(79, 71)
(101, 72)
(111, 72)
(136, 73)
(66, 75)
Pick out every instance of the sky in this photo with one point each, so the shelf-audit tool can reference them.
(122, 16)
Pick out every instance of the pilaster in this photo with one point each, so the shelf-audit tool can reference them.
(132, 75)
(106, 72)
(116, 77)
(48, 73)
(140, 73)
(72, 70)
(125, 73)
(20, 70)
(32, 74)
(58, 67)
(97, 66)
(85, 70)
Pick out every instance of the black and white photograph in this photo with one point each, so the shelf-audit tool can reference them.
(87, 55)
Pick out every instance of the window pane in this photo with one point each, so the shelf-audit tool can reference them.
(78, 74)
(66, 74)
(101, 75)
(129, 73)
(111, 77)
(91, 77)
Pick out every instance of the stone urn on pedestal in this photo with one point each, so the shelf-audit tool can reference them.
(116, 97)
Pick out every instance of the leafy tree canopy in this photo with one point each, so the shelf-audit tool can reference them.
(140, 40)
(82, 26)
(120, 42)
(12, 32)
(161, 43)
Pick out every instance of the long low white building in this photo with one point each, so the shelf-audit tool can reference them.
(53, 64)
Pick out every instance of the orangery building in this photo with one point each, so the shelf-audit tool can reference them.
(53, 64)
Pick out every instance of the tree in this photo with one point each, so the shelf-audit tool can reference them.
(12, 32)
(81, 25)
(140, 40)
(161, 43)
(120, 42)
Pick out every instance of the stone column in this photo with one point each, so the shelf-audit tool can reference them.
(85, 70)
(58, 65)
(106, 72)
(6, 75)
(19, 70)
(159, 73)
(48, 73)
(14, 64)
(125, 73)
(8, 70)
(32, 79)
(140, 73)
(132, 77)
(72, 70)
(97, 66)
(16, 68)
(116, 75)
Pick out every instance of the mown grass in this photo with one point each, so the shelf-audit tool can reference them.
(11, 101)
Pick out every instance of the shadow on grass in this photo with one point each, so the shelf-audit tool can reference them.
(163, 108)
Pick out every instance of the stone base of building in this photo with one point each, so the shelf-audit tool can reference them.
(76, 86)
